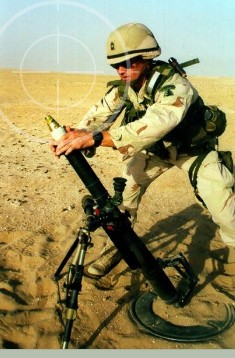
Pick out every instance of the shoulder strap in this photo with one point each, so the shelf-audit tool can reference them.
(119, 109)
(161, 71)
(164, 70)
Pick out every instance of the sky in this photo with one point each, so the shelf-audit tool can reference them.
(70, 35)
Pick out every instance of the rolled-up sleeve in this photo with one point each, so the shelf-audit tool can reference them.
(171, 104)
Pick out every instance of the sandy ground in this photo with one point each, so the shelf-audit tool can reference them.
(41, 212)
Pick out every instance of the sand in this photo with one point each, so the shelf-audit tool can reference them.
(41, 213)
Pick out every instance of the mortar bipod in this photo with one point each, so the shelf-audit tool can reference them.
(180, 263)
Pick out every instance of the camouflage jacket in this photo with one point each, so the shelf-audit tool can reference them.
(161, 115)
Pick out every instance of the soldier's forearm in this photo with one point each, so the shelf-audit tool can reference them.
(107, 140)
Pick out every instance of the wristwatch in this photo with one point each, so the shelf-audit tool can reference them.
(97, 137)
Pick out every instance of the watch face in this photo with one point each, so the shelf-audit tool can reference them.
(97, 136)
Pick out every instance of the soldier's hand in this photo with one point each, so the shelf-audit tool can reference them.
(73, 140)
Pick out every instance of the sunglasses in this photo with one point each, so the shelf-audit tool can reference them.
(126, 64)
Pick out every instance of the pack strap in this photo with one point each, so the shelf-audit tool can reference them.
(162, 71)
(193, 172)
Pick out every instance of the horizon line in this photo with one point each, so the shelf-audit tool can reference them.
(97, 73)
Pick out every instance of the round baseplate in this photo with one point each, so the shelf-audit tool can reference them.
(143, 311)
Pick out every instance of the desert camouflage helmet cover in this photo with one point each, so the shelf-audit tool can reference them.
(129, 41)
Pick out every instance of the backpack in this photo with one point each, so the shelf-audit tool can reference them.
(201, 122)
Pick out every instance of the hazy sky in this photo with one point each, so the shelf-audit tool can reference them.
(64, 35)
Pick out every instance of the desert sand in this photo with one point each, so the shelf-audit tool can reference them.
(41, 212)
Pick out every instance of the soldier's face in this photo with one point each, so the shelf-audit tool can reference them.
(130, 71)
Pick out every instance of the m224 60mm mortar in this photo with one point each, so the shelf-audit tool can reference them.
(102, 211)
(132, 249)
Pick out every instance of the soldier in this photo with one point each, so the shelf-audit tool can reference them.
(165, 123)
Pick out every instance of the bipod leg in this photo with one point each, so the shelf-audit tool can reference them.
(181, 265)
(65, 260)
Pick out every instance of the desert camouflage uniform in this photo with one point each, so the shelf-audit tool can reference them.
(214, 181)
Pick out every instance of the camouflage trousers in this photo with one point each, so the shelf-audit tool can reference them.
(214, 182)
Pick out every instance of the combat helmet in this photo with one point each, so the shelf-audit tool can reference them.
(129, 41)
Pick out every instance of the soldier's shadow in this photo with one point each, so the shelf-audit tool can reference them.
(190, 231)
